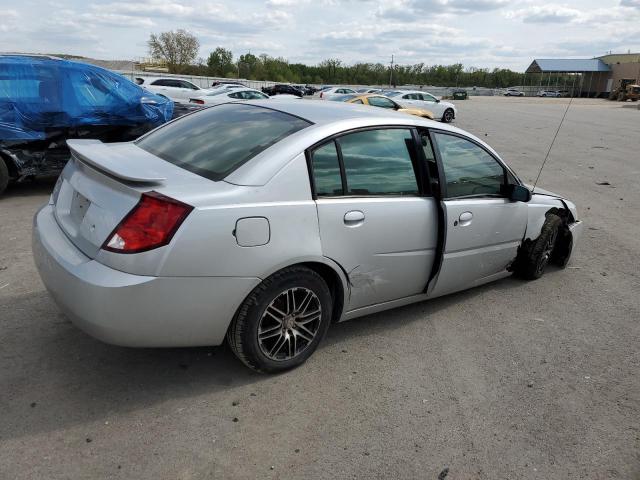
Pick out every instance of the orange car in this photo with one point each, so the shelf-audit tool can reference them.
(384, 102)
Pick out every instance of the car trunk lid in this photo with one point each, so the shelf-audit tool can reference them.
(103, 182)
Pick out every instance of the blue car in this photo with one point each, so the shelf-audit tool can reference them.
(44, 101)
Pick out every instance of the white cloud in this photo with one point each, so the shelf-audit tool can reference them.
(482, 33)
(545, 14)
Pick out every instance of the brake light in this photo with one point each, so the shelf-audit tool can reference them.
(321, 93)
(150, 224)
(197, 100)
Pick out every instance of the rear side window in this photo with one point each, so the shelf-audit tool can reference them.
(214, 142)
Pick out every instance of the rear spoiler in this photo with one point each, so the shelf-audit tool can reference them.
(117, 160)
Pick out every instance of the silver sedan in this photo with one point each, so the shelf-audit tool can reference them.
(264, 223)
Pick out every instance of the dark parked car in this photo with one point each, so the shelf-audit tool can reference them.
(283, 89)
(44, 101)
(459, 94)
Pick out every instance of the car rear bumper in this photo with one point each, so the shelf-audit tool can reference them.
(133, 310)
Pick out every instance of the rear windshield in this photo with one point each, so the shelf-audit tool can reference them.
(215, 141)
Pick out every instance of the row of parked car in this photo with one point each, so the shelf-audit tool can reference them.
(514, 92)
(396, 99)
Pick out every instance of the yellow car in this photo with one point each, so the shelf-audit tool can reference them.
(384, 102)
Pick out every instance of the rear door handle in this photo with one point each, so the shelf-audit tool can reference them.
(353, 218)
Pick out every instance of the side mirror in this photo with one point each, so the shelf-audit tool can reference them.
(437, 101)
(518, 193)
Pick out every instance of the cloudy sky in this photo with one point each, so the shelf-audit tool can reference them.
(481, 33)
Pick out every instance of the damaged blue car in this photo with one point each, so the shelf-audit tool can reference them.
(44, 101)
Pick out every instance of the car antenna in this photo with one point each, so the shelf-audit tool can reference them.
(553, 141)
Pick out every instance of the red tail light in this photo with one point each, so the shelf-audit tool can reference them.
(151, 224)
(197, 100)
(321, 94)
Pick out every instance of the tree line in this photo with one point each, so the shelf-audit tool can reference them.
(179, 50)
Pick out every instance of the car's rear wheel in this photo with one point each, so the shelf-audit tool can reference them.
(282, 321)
(538, 255)
(4, 176)
(447, 116)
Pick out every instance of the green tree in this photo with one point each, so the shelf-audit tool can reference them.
(220, 62)
(177, 48)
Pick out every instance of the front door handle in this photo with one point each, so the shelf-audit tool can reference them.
(353, 218)
(465, 218)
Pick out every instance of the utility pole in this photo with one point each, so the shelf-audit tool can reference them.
(391, 73)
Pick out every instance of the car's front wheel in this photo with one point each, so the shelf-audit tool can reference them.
(538, 254)
(447, 116)
(282, 321)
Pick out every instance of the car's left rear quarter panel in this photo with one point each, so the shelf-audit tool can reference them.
(208, 244)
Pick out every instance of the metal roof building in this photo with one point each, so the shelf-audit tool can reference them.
(569, 65)
(590, 77)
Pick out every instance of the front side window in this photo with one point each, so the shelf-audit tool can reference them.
(468, 169)
(381, 102)
(379, 162)
(215, 141)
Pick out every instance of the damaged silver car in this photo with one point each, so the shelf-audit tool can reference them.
(262, 224)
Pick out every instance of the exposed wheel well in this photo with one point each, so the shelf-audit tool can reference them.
(334, 283)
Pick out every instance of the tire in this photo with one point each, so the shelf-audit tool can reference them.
(447, 116)
(4, 176)
(563, 249)
(540, 252)
(284, 342)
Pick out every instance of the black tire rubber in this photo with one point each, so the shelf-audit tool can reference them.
(4, 176)
(533, 264)
(444, 115)
(242, 335)
(564, 248)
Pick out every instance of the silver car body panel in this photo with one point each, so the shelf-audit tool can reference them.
(260, 219)
(482, 237)
(133, 310)
(381, 264)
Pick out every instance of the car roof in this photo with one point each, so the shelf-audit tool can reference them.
(145, 78)
(327, 118)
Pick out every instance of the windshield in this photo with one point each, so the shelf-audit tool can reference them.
(215, 141)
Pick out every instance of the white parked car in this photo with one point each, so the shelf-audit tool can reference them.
(176, 89)
(443, 111)
(548, 93)
(329, 93)
(228, 95)
(513, 92)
